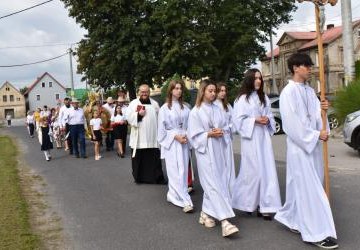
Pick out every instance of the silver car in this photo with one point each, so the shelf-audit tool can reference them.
(352, 130)
(275, 109)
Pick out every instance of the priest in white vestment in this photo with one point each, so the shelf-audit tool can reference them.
(256, 185)
(142, 116)
(175, 149)
(306, 209)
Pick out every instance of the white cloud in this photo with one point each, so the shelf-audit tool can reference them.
(43, 25)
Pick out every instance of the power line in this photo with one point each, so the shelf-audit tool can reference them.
(25, 9)
(32, 63)
(38, 46)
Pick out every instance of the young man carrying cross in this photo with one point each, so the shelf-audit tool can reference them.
(306, 210)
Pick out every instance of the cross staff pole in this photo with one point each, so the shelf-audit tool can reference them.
(322, 97)
(317, 3)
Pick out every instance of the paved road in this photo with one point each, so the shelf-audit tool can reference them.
(101, 207)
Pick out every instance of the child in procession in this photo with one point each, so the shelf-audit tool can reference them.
(96, 135)
(119, 125)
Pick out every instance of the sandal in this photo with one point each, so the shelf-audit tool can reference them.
(228, 228)
(206, 220)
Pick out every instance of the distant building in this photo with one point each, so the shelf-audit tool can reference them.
(306, 42)
(11, 102)
(46, 90)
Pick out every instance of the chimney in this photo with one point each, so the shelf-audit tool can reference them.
(330, 26)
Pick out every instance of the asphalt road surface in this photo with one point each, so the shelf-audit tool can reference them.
(102, 208)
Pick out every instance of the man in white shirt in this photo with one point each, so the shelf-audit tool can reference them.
(8, 118)
(76, 120)
(45, 113)
(64, 126)
(30, 123)
(109, 106)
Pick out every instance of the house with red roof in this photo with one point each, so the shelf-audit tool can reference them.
(306, 42)
(45, 90)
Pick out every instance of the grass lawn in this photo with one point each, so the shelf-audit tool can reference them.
(15, 229)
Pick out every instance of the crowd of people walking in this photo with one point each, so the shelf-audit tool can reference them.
(170, 132)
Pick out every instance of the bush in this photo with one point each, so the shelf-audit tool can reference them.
(357, 69)
(347, 100)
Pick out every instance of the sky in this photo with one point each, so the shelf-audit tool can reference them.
(47, 31)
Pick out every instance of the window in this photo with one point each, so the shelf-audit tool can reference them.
(11, 98)
(37, 97)
(18, 99)
(7, 89)
(57, 96)
(50, 84)
(4, 98)
(43, 84)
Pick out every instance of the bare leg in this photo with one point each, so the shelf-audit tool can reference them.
(96, 149)
(120, 147)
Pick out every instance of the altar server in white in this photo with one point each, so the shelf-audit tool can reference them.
(306, 209)
(257, 183)
(172, 125)
(222, 102)
(209, 135)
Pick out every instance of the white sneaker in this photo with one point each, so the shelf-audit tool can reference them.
(206, 220)
(228, 228)
(188, 209)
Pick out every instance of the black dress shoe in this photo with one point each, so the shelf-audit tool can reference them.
(84, 156)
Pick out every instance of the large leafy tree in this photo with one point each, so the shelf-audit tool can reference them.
(135, 41)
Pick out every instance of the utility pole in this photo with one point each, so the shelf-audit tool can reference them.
(71, 73)
(348, 42)
(274, 89)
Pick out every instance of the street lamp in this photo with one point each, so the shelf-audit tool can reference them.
(320, 4)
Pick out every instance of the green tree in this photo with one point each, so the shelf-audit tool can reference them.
(23, 90)
(347, 100)
(357, 69)
(135, 41)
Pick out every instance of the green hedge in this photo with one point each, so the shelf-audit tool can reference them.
(357, 69)
(347, 100)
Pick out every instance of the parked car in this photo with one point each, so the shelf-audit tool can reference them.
(351, 130)
(275, 109)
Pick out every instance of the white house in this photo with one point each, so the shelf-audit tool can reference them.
(46, 90)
